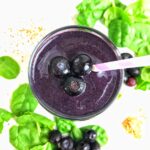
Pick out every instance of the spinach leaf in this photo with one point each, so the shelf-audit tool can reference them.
(142, 85)
(121, 33)
(4, 116)
(33, 130)
(145, 74)
(140, 8)
(90, 11)
(37, 118)
(24, 137)
(23, 100)
(140, 43)
(39, 123)
(102, 137)
(64, 125)
(76, 134)
(9, 68)
(47, 146)
(115, 13)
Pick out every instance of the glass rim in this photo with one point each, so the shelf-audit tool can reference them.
(44, 40)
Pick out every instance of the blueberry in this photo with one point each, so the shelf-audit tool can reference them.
(82, 65)
(126, 75)
(90, 135)
(134, 72)
(74, 86)
(66, 143)
(95, 146)
(126, 56)
(83, 145)
(59, 66)
(55, 136)
(131, 81)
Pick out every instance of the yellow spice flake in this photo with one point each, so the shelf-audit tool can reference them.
(133, 126)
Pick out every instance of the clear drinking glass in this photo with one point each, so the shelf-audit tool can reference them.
(41, 82)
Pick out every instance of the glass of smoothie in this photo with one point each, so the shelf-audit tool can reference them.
(66, 48)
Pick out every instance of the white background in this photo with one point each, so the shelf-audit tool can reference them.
(52, 14)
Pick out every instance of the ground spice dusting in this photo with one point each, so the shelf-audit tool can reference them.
(26, 34)
(21, 41)
(133, 125)
(32, 34)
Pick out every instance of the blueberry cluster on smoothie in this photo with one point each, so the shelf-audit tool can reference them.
(71, 72)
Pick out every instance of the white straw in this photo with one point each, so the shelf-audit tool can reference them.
(123, 64)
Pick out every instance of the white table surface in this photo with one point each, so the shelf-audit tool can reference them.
(52, 14)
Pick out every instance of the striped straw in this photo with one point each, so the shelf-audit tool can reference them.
(123, 64)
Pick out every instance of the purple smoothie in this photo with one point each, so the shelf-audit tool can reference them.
(101, 88)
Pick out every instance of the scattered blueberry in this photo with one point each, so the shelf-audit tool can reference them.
(83, 145)
(131, 81)
(90, 135)
(55, 136)
(134, 72)
(126, 56)
(82, 65)
(66, 143)
(126, 75)
(95, 146)
(74, 86)
(59, 66)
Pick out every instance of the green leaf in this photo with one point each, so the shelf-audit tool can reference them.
(121, 33)
(24, 137)
(135, 8)
(145, 74)
(5, 116)
(76, 134)
(37, 118)
(140, 43)
(23, 100)
(33, 123)
(47, 146)
(140, 8)
(142, 85)
(9, 68)
(113, 13)
(90, 11)
(102, 137)
(64, 125)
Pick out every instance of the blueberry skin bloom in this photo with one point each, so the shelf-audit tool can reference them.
(59, 66)
(74, 86)
(82, 65)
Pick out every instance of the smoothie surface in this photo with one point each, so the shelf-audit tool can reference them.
(101, 87)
